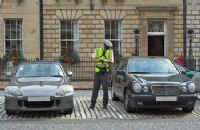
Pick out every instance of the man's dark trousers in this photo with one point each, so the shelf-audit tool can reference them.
(100, 78)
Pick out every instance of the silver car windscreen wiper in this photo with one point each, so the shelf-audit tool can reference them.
(55, 76)
(27, 76)
(139, 72)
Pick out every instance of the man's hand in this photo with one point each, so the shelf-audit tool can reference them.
(102, 59)
(105, 60)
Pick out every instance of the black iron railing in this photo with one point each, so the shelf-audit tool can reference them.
(83, 70)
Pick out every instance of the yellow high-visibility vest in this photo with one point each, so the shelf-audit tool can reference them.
(103, 65)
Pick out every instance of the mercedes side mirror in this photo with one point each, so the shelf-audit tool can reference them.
(121, 72)
(183, 72)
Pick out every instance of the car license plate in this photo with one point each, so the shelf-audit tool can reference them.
(35, 99)
(168, 98)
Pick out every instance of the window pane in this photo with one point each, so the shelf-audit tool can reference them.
(75, 46)
(13, 24)
(113, 29)
(70, 28)
(156, 26)
(13, 35)
(67, 48)
(19, 45)
(7, 35)
(74, 30)
(8, 46)
(63, 48)
(8, 25)
(113, 24)
(69, 33)
(63, 35)
(107, 35)
(19, 24)
(113, 33)
(63, 25)
(19, 34)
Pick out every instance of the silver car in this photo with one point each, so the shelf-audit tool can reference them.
(39, 86)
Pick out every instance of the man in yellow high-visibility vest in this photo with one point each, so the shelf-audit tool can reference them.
(104, 57)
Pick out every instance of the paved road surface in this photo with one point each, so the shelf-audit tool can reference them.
(115, 118)
(107, 124)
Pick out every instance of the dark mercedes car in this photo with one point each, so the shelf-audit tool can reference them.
(39, 86)
(152, 82)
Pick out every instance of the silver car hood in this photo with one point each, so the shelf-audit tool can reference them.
(39, 86)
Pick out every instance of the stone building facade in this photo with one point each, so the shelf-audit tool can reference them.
(193, 22)
(158, 22)
(19, 27)
(79, 26)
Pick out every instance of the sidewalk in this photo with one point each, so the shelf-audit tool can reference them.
(78, 85)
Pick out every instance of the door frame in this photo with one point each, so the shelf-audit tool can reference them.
(159, 34)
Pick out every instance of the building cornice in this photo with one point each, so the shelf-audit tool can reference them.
(157, 8)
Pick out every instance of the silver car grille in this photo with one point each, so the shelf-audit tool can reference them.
(165, 89)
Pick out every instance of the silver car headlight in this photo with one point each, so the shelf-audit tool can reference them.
(137, 87)
(12, 91)
(65, 90)
(191, 87)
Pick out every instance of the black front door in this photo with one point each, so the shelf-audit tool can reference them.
(155, 45)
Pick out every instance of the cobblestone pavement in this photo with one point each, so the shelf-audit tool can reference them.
(115, 111)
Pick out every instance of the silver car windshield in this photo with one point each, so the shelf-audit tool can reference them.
(150, 65)
(39, 70)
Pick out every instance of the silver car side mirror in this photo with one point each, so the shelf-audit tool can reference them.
(69, 73)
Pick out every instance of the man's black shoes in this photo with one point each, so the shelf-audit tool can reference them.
(105, 107)
(92, 106)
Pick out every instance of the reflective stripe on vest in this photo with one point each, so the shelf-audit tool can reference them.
(102, 65)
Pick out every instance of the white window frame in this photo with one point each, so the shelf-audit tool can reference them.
(76, 46)
(159, 33)
(120, 31)
(4, 38)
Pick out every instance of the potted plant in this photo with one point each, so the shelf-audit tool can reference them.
(15, 57)
(75, 58)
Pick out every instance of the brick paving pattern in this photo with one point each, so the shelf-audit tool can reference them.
(115, 111)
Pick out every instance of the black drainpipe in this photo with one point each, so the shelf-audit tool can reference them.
(41, 30)
(184, 31)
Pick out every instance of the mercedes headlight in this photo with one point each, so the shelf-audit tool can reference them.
(12, 91)
(137, 87)
(145, 89)
(191, 87)
(184, 89)
(65, 90)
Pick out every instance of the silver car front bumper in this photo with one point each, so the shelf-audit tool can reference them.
(55, 103)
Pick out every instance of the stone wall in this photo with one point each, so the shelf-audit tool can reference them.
(178, 33)
(28, 11)
(91, 24)
(133, 13)
(193, 22)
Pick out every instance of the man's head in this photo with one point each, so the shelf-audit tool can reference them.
(107, 44)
